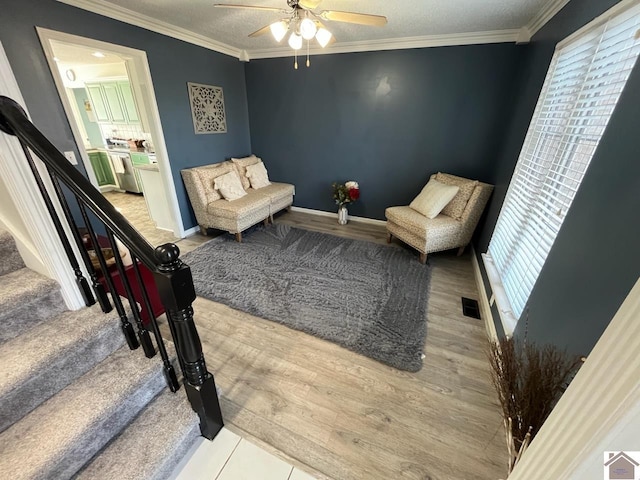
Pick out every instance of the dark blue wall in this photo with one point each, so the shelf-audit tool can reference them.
(595, 260)
(385, 119)
(173, 63)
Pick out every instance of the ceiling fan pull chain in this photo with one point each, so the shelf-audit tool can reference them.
(295, 61)
(308, 62)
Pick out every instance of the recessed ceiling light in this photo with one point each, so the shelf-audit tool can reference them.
(98, 54)
(56, 59)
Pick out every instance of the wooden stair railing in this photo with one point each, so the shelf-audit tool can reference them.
(173, 277)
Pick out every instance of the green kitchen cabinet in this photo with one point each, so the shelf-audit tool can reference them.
(114, 102)
(139, 159)
(98, 102)
(129, 103)
(101, 168)
(106, 166)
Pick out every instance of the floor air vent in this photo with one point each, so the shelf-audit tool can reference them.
(470, 308)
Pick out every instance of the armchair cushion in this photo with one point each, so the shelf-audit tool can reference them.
(207, 176)
(455, 208)
(433, 198)
(240, 207)
(430, 229)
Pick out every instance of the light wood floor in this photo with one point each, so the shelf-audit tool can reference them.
(345, 416)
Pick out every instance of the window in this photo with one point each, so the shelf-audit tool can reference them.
(585, 79)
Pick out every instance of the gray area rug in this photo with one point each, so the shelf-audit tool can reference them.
(369, 298)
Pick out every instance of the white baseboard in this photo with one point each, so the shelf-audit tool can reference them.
(322, 213)
(191, 231)
(485, 308)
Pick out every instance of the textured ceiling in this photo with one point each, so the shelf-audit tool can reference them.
(406, 18)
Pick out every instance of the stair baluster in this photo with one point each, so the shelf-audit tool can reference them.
(85, 290)
(127, 328)
(143, 333)
(98, 288)
(169, 371)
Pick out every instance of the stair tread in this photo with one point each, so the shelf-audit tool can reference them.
(62, 434)
(21, 356)
(26, 300)
(16, 287)
(69, 344)
(152, 445)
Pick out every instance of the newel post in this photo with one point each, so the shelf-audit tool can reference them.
(175, 286)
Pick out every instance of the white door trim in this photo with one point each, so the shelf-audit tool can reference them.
(24, 192)
(142, 84)
(599, 409)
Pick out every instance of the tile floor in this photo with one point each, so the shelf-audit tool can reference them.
(134, 209)
(230, 457)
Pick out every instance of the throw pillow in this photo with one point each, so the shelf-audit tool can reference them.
(433, 198)
(229, 186)
(241, 165)
(258, 176)
(455, 208)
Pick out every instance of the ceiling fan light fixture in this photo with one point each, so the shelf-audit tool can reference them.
(323, 36)
(295, 41)
(308, 29)
(279, 30)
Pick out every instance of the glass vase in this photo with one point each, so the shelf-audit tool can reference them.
(343, 215)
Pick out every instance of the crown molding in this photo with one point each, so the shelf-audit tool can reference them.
(137, 19)
(544, 15)
(522, 35)
(471, 38)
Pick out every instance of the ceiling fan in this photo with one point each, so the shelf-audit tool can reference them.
(305, 22)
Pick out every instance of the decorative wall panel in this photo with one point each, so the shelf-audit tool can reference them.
(207, 108)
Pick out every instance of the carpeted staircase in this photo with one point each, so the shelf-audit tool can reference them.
(75, 402)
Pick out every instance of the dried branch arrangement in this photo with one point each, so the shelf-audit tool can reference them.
(529, 381)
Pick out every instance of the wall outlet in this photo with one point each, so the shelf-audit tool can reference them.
(71, 157)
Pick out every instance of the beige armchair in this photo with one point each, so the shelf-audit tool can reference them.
(442, 232)
(212, 211)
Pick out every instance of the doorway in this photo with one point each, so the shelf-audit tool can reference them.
(108, 97)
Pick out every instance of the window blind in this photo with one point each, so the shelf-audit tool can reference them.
(585, 79)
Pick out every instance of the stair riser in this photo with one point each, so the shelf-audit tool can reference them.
(169, 462)
(108, 427)
(19, 320)
(168, 427)
(53, 377)
(11, 259)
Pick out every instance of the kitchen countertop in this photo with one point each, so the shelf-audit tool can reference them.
(152, 167)
(120, 150)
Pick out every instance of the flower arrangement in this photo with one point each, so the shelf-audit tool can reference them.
(346, 193)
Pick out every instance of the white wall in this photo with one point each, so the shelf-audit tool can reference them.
(10, 221)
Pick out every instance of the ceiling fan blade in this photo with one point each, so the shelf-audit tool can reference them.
(309, 4)
(262, 31)
(250, 7)
(351, 17)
